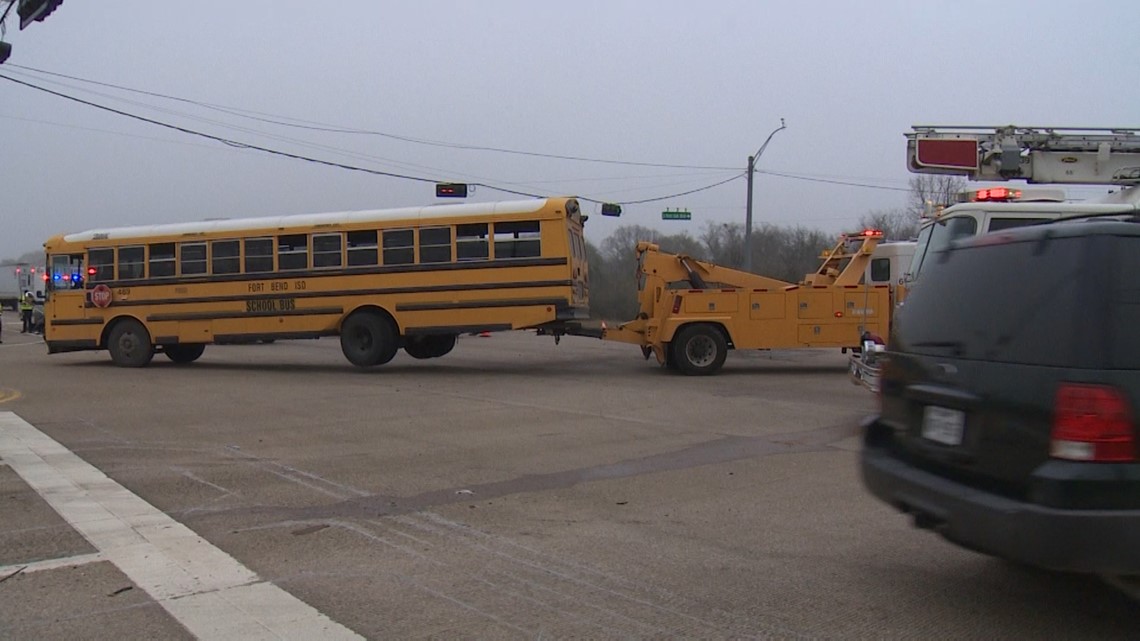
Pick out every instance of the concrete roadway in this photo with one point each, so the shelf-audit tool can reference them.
(512, 489)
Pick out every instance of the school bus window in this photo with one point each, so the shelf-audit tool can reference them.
(326, 250)
(225, 256)
(471, 241)
(435, 245)
(292, 252)
(132, 263)
(517, 240)
(66, 272)
(258, 255)
(399, 247)
(193, 259)
(362, 248)
(162, 261)
(101, 265)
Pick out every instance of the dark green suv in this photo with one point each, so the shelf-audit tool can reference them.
(1010, 398)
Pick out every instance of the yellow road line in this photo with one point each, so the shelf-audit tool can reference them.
(9, 394)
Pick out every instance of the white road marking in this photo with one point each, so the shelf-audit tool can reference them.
(49, 564)
(205, 589)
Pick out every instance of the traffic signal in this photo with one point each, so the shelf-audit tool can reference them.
(611, 209)
(451, 190)
(5, 51)
(35, 10)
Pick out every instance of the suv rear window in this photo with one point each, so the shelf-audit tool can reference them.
(1031, 295)
(1125, 317)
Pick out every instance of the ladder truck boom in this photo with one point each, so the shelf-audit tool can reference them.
(1059, 155)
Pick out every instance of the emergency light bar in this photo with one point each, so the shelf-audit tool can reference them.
(1009, 194)
(996, 194)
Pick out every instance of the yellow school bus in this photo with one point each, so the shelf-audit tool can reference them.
(414, 278)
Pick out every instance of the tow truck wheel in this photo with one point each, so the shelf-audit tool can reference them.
(698, 350)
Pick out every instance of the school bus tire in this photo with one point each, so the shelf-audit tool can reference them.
(698, 350)
(129, 344)
(184, 353)
(432, 346)
(368, 339)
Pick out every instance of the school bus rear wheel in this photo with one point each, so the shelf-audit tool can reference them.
(368, 339)
(184, 353)
(129, 344)
(432, 346)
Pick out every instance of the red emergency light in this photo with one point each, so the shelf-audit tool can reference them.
(993, 194)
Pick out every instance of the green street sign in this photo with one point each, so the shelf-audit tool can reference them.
(676, 215)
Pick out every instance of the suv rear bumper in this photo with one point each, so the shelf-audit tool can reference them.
(1097, 541)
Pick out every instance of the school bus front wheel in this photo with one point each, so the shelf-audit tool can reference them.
(129, 343)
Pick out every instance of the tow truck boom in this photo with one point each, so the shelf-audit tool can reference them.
(692, 312)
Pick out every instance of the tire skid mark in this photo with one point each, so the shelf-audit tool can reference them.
(309, 480)
(587, 578)
(589, 587)
(513, 583)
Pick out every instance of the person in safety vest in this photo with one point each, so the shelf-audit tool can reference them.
(27, 304)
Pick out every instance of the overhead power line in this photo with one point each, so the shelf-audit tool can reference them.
(4, 17)
(829, 181)
(277, 152)
(284, 121)
(287, 121)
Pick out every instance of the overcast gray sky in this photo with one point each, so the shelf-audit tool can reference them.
(675, 83)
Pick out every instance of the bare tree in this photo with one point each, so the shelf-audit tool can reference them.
(896, 224)
(785, 253)
(725, 243)
(932, 190)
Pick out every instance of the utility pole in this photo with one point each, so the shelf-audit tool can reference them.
(748, 209)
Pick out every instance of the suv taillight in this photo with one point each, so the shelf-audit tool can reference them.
(1092, 423)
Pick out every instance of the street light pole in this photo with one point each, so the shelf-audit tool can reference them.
(748, 209)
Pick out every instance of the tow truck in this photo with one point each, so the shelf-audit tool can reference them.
(692, 311)
(1036, 155)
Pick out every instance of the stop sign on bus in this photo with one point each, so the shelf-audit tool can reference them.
(101, 296)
